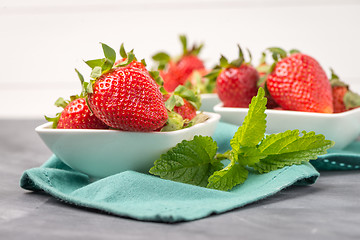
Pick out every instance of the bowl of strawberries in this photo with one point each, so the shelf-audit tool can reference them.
(123, 119)
(299, 96)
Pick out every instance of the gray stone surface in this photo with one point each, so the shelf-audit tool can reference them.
(329, 209)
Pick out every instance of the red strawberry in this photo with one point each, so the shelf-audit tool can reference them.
(177, 72)
(263, 69)
(186, 110)
(130, 60)
(127, 99)
(299, 83)
(78, 115)
(236, 82)
(186, 65)
(343, 98)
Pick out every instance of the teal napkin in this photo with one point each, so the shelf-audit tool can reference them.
(149, 198)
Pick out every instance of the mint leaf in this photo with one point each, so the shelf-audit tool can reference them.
(248, 155)
(252, 131)
(229, 177)
(289, 148)
(189, 162)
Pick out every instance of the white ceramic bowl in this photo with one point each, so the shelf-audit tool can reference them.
(208, 101)
(343, 128)
(101, 153)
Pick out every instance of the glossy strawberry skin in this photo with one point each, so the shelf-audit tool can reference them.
(187, 111)
(299, 83)
(77, 115)
(128, 99)
(237, 86)
(338, 98)
(178, 72)
(186, 65)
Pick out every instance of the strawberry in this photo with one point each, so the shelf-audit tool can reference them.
(183, 101)
(343, 98)
(185, 109)
(263, 68)
(124, 97)
(182, 106)
(298, 82)
(132, 62)
(176, 72)
(236, 82)
(76, 114)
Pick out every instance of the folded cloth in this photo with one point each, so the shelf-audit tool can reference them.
(149, 198)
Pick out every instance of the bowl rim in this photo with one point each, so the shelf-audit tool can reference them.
(45, 128)
(219, 108)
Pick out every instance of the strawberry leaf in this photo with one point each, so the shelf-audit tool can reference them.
(96, 72)
(161, 57)
(123, 53)
(95, 63)
(109, 53)
(191, 162)
(174, 100)
(183, 41)
(174, 122)
(61, 102)
(351, 100)
(189, 95)
(54, 120)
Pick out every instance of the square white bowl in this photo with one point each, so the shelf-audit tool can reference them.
(343, 128)
(100, 153)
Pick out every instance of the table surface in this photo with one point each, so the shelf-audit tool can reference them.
(329, 209)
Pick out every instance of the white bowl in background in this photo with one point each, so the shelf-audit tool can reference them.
(208, 101)
(343, 128)
(100, 153)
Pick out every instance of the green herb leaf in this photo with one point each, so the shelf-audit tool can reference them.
(228, 177)
(190, 162)
(248, 155)
(289, 148)
(252, 131)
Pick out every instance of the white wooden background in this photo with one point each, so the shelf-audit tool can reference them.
(41, 42)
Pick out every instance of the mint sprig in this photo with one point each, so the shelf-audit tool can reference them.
(196, 161)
